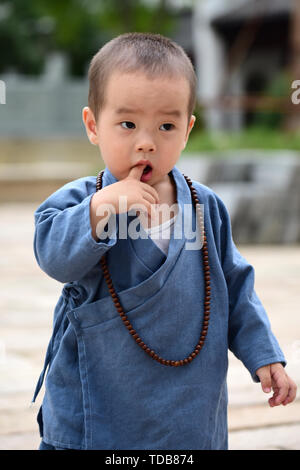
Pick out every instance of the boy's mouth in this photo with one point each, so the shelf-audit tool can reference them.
(147, 173)
(147, 169)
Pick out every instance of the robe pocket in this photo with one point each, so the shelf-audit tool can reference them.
(103, 312)
(102, 316)
(94, 313)
(155, 319)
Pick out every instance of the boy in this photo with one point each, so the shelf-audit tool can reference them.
(121, 292)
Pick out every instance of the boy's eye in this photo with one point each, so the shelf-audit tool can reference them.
(128, 125)
(168, 127)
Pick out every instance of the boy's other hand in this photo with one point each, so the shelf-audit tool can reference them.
(273, 376)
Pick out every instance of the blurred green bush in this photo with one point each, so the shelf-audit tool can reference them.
(30, 30)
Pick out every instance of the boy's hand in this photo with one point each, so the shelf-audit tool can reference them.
(273, 376)
(137, 194)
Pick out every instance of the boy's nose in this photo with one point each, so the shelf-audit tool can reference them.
(145, 145)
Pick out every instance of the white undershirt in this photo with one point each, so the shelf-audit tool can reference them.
(161, 234)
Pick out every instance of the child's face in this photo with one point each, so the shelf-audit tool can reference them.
(142, 119)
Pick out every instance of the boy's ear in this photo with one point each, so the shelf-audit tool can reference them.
(191, 123)
(90, 125)
(190, 127)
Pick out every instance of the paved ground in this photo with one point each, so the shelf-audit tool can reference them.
(27, 300)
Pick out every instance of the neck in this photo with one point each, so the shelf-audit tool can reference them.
(166, 189)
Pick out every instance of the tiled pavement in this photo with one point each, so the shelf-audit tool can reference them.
(27, 300)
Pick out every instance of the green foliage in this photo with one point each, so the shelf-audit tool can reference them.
(280, 87)
(199, 124)
(251, 138)
(29, 30)
(20, 48)
(117, 17)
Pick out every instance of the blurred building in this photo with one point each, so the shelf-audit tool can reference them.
(237, 46)
(50, 105)
(240, 47)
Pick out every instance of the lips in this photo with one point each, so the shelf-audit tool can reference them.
(147, 172)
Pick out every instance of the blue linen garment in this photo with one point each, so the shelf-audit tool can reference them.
(102, 390)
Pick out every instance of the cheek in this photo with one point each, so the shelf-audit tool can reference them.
(114, 156)
(108, 145)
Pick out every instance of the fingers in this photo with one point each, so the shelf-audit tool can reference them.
(291, 393)
(264, 374)
(279, 395)
(280, 385)
(137, 171)
(284, 389)
(150, 197)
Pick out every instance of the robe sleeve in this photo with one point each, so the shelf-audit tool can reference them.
(250, 337)
(63, 244)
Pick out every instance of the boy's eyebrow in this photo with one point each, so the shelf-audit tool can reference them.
(174, 112)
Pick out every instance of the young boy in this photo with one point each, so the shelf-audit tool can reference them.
(126, 367)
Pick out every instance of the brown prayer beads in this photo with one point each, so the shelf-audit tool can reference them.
(206, 268)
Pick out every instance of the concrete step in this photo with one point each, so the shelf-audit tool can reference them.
(35, 181)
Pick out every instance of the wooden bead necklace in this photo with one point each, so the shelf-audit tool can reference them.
(123, 315)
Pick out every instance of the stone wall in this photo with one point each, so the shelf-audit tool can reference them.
(260, 189)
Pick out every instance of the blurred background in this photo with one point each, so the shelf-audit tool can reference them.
(245, 146)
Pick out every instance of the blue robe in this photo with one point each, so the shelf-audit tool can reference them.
(102, 390)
